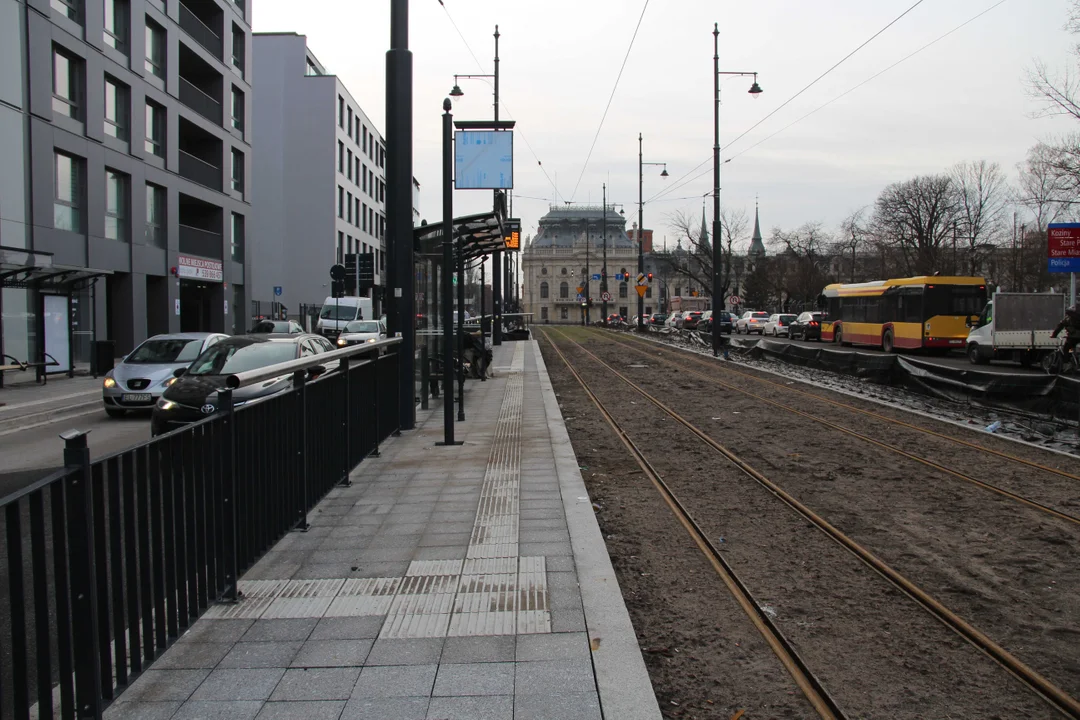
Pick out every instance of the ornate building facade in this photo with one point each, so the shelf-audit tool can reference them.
(560, 263)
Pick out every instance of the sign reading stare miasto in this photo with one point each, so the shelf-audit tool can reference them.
(1063, 247)
(196, 268)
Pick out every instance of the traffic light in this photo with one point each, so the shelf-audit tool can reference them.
(650, 277)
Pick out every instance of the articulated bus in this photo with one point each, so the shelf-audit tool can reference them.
(908, 313)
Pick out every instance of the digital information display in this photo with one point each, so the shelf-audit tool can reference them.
(512, 234)
(484, 160)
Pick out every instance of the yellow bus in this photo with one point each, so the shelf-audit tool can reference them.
(909, 313)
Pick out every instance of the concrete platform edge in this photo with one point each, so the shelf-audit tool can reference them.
(626, 692)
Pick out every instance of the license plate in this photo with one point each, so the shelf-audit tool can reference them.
(136, 397)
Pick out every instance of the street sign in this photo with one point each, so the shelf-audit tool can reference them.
(1063, 247)
(350, 274)
(580, 297)
(512, 234)
(580, 290)
(365, 266)
(641, 290)
(277, 291)
(642, 281)
(337, 271)
(734, 300)
(596, 276)
(606, 297)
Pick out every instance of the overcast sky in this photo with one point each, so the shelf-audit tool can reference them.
(962, 99)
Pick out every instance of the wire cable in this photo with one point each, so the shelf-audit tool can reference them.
(610, 99)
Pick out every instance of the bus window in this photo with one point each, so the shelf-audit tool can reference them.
(963, 300)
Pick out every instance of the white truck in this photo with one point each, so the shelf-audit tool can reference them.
(1017, 327)
(336, 313)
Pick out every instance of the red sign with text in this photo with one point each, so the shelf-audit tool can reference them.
(1063, 247)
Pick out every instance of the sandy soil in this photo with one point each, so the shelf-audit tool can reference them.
(877, 653)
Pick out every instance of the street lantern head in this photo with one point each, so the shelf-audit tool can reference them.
(456, 91)
(664, 173)
(754, 91)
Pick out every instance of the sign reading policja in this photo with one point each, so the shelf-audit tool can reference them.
(194, 268)
(1063, 247)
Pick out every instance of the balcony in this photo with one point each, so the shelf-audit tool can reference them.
(200, 171)
(200, 242)
(201, 32)
(200, 102)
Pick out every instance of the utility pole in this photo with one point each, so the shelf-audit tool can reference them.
(496, 257)
(640, 232)
(603, 270)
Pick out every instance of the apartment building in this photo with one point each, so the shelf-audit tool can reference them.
(124, 198)
(321, 169)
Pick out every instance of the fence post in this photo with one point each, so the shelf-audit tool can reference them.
(229, 510)
(376, 369)
(343, 368)
(84, 610)
(425, 377)
(300, 393)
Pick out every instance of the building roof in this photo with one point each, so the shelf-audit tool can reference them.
(562, 226)
(757, 247)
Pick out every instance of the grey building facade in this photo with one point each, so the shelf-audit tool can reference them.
(124, 128)
(321, 170)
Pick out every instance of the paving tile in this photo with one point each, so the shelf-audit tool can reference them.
(381, 569)
(544, 536)
(568, 620)
(530, 513)
(553, 677)
(261, 654)
(401, 680)
(547, 549)
(280, 630)
(307, 710)
(330, 556)
(348, 628)
(346, 542)
(395, 541)
(332, 653)
(317, 684)
(491, 707)
(552, 646)
(474, 679)
(193, 655)
(560, 563)
(385, 554)
(216, 631)
(219, 710)
(325, 570)
(162, 685)
(479, 649)
(142, 710)
(387, 708)
(239, 684)
(441, 553)
(403, 528)
(563, 705)
(406, 651)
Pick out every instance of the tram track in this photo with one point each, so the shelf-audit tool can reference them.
(1058, 698)
(952, 472)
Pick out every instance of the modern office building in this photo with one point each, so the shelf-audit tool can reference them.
(124, 184)
(321, 169)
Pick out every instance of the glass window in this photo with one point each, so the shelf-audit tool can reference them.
(340, 156)
(67, 83)
(116, 24)
(239, 51)
(348, 210)
(564, 290)
(357, 201)
(155, 129)
(622, 290)
(115, 205)
(364, 176)
(349, 164)
(67, 204)
(348, 127)
(161, 352)
(340, 111)
(227, 358)
(565, 314)
(155, 215)
(68, 8)
(116, 109)
(237, 108)
(236, 240)
(237, 170)
(544, 290)
(363, 217)
(341, 202)
(155, 49)
(310, 70)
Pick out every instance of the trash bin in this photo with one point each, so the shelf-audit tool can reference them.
(102, 356)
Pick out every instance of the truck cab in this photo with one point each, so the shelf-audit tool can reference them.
(1015, 327)
(336, 313)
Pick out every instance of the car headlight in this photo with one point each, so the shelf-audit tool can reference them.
(372, 340)
(164, 404)
(342, 342)
(170, 381)
(109, 383)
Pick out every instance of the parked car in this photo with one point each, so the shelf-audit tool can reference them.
(690, 319)
(751, 321)
(673, 319)
(724, 320)
(142, 376)
(778, 324)
(807, 326)
(361, 331)
(657, 319)
(288, 327)
(194, 395)
(615, 319)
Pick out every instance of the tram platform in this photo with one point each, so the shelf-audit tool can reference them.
(459, 583)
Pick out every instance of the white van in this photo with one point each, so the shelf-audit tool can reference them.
(336, 313)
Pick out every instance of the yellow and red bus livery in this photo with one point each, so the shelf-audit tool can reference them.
(908, 313)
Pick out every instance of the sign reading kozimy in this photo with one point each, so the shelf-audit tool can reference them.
(1063, 247)
(195, 268)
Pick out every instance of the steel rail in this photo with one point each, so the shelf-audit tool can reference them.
(1058, 698)
(804, 678)
(879, 416)
(982, 484)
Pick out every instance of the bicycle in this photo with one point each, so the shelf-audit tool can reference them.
(1057, 363)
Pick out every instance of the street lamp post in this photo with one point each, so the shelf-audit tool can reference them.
(717, 253)
(641, 227)
(603, 268)
(586, 279)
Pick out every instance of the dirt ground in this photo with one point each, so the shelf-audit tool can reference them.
(1008, 569)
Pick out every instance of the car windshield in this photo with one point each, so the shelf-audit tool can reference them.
(362, 326)
(230, 358)
(272, 326)
(177, 350)
(760, 316)
(338, 312)
(787, 318)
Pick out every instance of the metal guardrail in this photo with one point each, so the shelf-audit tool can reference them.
(107, 563)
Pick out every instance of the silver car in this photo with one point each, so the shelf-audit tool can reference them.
(140, 378)
(358, 332)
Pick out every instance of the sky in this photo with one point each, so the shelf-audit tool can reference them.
(963, 98)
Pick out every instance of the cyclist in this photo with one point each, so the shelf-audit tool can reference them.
(1071, 325)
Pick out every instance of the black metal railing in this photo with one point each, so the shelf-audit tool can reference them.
(200, 31)
(200, 242)
(200, 101)
(108, 562)
(200, 171)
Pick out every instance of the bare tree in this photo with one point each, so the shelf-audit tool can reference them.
(981, 196)
(853, 232)
(802, 255)
(1041, 190)
(916, 217)
(695, 261)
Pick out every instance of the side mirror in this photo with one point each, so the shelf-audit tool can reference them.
(178, 372)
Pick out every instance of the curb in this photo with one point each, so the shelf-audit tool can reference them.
(623, 682)
(33, 420)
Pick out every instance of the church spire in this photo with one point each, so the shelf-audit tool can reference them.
(757, 247)
(703, 237)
